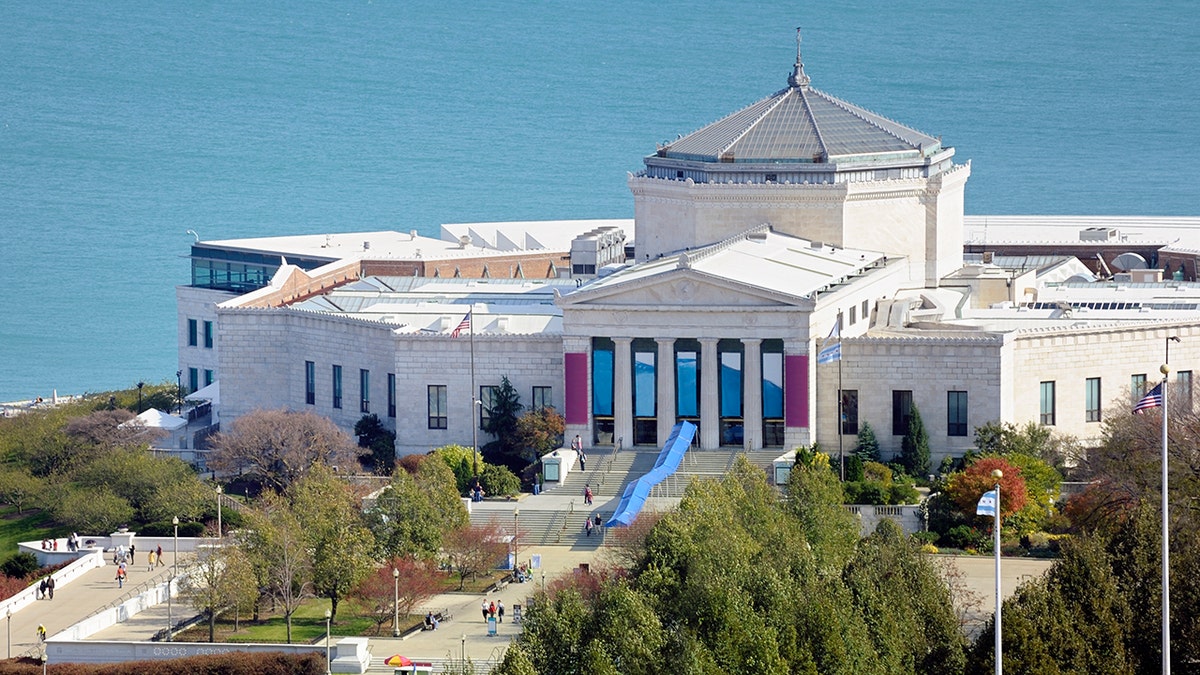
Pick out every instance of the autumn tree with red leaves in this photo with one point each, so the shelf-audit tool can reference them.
(967, 486)
(416, 583)
(474, 549)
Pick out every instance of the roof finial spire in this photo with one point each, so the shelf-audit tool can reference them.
(798, 78)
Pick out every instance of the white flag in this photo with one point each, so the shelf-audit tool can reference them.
(987, 504)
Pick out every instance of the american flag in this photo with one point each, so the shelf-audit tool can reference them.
(465, 324)
(1152, 399)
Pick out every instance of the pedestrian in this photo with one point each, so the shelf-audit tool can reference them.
(151, 565)
(41, 633)
(42, 589)
(598, 520)
(132, 548)
(484, 607)
(158, 554)
(120, 577)
(55, 543)
(50, 586)
(582, 461)
(500, 610)
(587, 494)
(577, 444)
(587, 526)
(492, 610)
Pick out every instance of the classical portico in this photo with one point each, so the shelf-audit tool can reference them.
(722, 336)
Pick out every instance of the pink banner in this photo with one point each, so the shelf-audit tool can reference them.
(795, 395)
(575, 368)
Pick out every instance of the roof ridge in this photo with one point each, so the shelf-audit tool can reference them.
(813, 118)
(686, 258)
(855, 110)
(766, 111)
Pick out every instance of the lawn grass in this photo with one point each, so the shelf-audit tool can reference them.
(308, 625)
(32, 525)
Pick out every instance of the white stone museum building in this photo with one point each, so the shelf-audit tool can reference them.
(798, 222)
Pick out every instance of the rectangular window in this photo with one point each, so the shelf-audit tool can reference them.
(849, 412)
(192, 333)
(956, 413)
(866, 310)
(1091, 395)
(337, 386)
(687, 383)
(391, 394)
(645, 389)
(310, 383)
(602, 379)
(193, 379)
(902, 401)
(1137, 386)
(1185, 389)
(437, 406)
(364, 391)
(1046, 408)
(543, 397)
(208, 335)
(208, 377)
(853, 315)
(487, 399)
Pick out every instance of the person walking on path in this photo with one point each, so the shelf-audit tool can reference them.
(132, 548)
(150, 566)
(484, 607)
(587, 526)
(492, 610)
(577, 443)
(500, 610)
(158, 555)
(120, 577)
(42, 588)
(50, 586)
(41, 634)
(587, 494)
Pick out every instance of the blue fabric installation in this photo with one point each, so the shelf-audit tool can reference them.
(634, 497)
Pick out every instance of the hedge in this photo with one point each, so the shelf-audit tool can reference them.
(233, 663)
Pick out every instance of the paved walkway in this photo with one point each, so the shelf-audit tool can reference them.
(80, 599)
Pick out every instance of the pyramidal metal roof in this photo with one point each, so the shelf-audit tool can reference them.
(801, 124)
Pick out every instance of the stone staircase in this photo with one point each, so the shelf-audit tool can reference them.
(608, 473)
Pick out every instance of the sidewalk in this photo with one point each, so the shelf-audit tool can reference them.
(80, 599)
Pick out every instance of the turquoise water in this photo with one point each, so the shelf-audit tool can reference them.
(122, 126)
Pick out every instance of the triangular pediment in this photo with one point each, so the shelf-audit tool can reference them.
(683, 288)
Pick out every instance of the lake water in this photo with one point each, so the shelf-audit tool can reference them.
(124, 125)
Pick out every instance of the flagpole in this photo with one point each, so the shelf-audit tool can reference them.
(1166, 541)
(997, 474)
(474, 401)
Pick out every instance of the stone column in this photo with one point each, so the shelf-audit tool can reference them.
(710, 411)
(665, 387)
(623, 391)
(752, 403)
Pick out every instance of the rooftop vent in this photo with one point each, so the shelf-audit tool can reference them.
(464, 241)
(1098, 234)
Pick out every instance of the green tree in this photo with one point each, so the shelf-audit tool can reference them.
(914, 447)
(340, 546)
(414, 515)
(92, 510)
(380, 443)
(501, 423)
(913, 626)
(815, 498)
(19, 488)
(155, 487)
(464, 462)
(867, 447)
(1074, 620)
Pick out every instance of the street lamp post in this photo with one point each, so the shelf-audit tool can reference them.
(475, 430)
(220, 531)
(395, 602)
(463, 653)
(516, 533)
(179, 389)
(328, 664)
(8, 614)
(139, 386)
